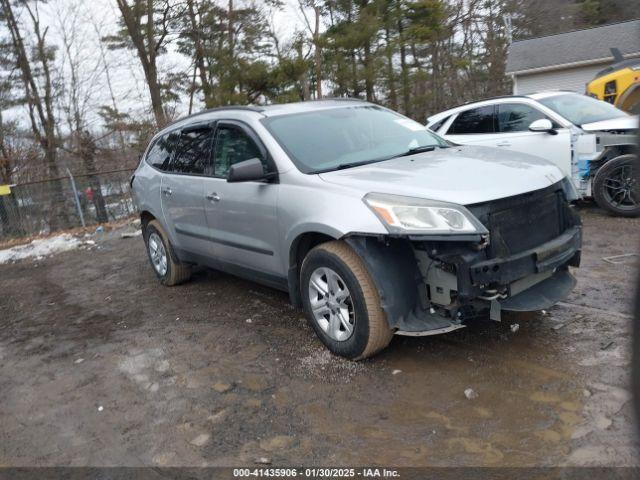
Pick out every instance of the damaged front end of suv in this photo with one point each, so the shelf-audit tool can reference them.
(510, 254)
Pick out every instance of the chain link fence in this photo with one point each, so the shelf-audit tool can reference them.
(45, 206)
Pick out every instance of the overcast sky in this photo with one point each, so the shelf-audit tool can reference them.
(95, 18)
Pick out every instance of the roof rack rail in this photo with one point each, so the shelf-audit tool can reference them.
(249, 108)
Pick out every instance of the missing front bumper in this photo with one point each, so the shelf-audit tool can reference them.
(414, 303)
(563, 250)
(542, 295)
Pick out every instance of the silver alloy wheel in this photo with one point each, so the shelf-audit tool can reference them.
(621, 189)
(331, 304)
(158, 254)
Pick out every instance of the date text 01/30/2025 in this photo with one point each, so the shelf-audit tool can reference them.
(316, 472)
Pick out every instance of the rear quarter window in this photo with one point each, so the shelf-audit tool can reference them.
(159, 154)
(438, 125)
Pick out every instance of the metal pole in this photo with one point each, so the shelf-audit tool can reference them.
(75, 197)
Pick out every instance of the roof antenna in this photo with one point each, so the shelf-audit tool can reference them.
(617, 56)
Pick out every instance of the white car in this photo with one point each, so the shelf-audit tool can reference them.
(591, 141)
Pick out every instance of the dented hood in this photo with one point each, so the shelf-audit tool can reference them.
(464, 175)
(628, 122)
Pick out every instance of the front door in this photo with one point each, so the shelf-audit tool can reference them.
(506, 126)
(513, 134)
(242, 216)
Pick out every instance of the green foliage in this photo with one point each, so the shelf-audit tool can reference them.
(425, 19)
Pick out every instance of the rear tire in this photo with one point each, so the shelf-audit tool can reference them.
(616, 186)
(171, 271)
(365, 332)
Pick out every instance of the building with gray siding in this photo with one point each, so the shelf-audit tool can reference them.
(568, 61)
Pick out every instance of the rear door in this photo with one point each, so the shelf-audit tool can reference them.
(182, 189)
(242, 216)
(476, 126)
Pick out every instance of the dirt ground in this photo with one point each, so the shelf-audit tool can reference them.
(100, 365)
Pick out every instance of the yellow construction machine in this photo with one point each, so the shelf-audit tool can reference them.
(619, 83)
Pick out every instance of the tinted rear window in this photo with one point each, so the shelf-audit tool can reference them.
(193, 150)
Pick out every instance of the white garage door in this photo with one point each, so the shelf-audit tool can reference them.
(574, 79)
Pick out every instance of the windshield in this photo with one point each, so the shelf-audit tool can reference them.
(580, 109)
(341, 137)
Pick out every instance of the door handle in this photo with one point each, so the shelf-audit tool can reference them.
(503, 144)
(214, 197)
(167, 191)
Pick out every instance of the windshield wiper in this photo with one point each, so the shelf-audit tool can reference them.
(422, 149)
(344, 166)
(411, 151)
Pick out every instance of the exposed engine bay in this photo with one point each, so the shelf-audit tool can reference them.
(591, 149)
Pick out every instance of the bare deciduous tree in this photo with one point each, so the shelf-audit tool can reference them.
(38, 92)
(148, 34)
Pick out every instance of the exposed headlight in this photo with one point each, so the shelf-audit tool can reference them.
(420, 216)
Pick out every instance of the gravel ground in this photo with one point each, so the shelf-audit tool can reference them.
(100, 365)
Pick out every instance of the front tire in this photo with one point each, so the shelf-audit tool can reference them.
(616, 186)
(342, 302)
(169, 270)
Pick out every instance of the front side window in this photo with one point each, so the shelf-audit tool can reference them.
(476, 120)
(516, 117)
(193, 149)
(331, 138)
(159, 155)
(232, 145)
(580, 109)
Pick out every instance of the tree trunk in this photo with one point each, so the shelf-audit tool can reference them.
(9, 213)
(391, 75)
(368, 72)
(147, 52)
(404, 69)
(355, 85)
(318, 53)
(42, 125)
(198, 55)
(87, 149)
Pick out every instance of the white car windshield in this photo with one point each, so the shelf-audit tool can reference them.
(580, 109)
(343, 137)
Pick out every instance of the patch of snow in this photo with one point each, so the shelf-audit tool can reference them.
(40, 248)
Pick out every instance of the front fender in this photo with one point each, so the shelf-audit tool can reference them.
(393, 267)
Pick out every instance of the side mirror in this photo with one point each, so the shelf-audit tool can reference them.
(543, 125)
(246, 171)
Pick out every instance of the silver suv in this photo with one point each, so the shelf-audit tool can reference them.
(373, 224)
